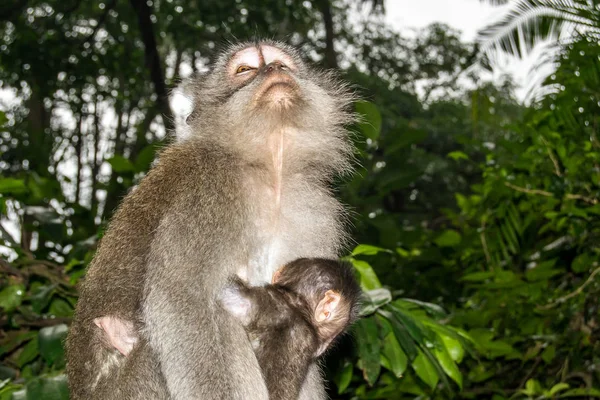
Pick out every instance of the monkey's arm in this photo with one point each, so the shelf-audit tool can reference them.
(204, 352)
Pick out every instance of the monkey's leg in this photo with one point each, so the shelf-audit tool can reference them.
(98, 372)
(139, 378)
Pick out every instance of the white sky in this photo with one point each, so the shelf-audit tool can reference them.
(468, 16)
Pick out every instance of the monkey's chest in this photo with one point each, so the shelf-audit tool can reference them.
(285, 226)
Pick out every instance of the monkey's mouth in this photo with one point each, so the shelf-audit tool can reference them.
(278, 89)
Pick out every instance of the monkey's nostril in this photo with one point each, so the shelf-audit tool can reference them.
(274, 66)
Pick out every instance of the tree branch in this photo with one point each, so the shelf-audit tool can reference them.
(572, 294)
(568, 196)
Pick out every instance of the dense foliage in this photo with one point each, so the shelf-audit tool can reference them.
(476, 218)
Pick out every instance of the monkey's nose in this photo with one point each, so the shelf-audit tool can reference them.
(274, 66)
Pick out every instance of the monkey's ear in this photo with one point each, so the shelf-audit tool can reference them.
(276, 275)
(328, 306)
(235, 300)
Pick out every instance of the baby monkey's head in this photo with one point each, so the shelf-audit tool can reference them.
(310, 302)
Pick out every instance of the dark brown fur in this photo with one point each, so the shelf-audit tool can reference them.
(203, 213)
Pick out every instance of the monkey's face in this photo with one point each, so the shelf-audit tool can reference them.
(265, 77)
(264, 94)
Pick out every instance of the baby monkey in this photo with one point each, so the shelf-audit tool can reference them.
(290, 322)
(293, 321)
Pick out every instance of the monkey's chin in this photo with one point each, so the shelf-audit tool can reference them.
(279, 96)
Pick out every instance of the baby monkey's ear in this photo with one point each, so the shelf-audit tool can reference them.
(332, 315)
(277, 275)
(328, 306)
(235, 299)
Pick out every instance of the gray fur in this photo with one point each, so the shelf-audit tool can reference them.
(204, 212)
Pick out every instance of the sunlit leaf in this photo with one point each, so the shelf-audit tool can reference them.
(448, 365)
(11, 297)
(368, 278)
(12, 186)
(559, 387)
(458, 155)
(425, 370)
(454, 347)
(448, 238)
(368, 250)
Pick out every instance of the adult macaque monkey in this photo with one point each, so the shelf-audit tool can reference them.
(243, 194)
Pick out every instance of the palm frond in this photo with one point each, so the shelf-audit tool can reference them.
(528, 22)
(495, 2)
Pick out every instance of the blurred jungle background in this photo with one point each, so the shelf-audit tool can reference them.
(475, 207)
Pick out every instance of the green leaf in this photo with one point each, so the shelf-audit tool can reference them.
(145, 158)
(559, 387)
(425, 370)
(60, 308)
(412, 325)
(478, 276)
(12, 186)
(41, 297)
(448, 238)
(369, 346)
(54, 388)
(433, 309)
(458, 155)
(549, 353)
(396, 358)
(51, 343)
(580, 393)
(368, 250)
(448, 365)
(373, 299)
(15, 341)
(368, 278)
(370, 124)
(532, 387)
(28, 353)
(453, 346)
(400, 332)
(120, 164)
(11, 297)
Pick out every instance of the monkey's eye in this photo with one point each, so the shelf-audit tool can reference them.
(243, 68)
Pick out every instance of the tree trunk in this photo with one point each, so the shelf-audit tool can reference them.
(153, 61)
(79, 153)
(330, 60)
(95, 163)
